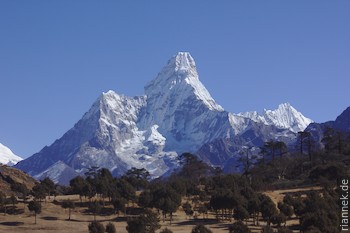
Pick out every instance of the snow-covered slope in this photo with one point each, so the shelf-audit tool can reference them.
(59, 172)
(176, 115)
(284, 117)
(182, 108)
(7, 157)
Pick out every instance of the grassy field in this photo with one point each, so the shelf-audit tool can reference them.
(54, 219)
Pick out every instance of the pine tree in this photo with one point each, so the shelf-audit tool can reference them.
(34, 206)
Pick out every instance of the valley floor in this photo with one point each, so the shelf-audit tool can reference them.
(53, 219)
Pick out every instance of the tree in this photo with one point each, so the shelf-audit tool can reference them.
(201, 229)
(320, 212)
(96, 227)
(104, 183)
(304, 138)
(254, 208)
(39, 191)
(246, 159)
(126, 190)
(193, 168)
(278, 219)
(119, 204)
(187, 207)
(239, 227)
(203, 209)
(286, 209)
(13, 200)
(137, 177)
(271, 148)
(145, 199)
(48, 186)
(95, 207)
(110, 228)
(267, 208)
(77, 184)
(21, 191)
(135, 225)
(222, 199)
(334, 141)
(68, 205)
(281, 147)
(298, 206)
(166, 199)
(147, 222)
(34, 206)
(240, 213)
(3, 201)
(267, 229)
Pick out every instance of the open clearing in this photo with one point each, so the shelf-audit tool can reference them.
(54, 219)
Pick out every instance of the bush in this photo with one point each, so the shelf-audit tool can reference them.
(110, 228)
(267, 229)
(147, 222)
(96, 227)
(166, 230)
(278, 219)
(239, 227)
(201, 229)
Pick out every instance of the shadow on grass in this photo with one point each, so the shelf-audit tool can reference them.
(13, 211)
(49, 218)
(192, 222)
(12, 224)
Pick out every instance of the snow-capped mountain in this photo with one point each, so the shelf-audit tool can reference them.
(176, 115)
(7, 157)
(284, 117)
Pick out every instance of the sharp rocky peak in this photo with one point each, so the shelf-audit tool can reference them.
(285, 117)
(179, 79)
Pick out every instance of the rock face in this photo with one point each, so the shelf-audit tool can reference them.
(341, 123)
(176, 115)
(7, 157)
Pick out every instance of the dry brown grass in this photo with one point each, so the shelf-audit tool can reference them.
(53, 219)
(10, 174)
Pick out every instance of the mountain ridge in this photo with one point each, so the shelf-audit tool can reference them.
(177, 114)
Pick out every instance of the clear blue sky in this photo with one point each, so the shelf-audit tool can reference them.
(57, 57)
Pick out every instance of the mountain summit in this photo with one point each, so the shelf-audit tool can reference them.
(177, 114)
(285, 117)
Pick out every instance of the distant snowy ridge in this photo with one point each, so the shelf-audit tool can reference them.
(284, 117)
(59, 172)
(7, 157)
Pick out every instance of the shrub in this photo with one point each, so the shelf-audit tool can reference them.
(166, 230)
(110, 228)
(267, 229)
(201, 229)
(147, 222)
(239, 227)
(96, 227)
